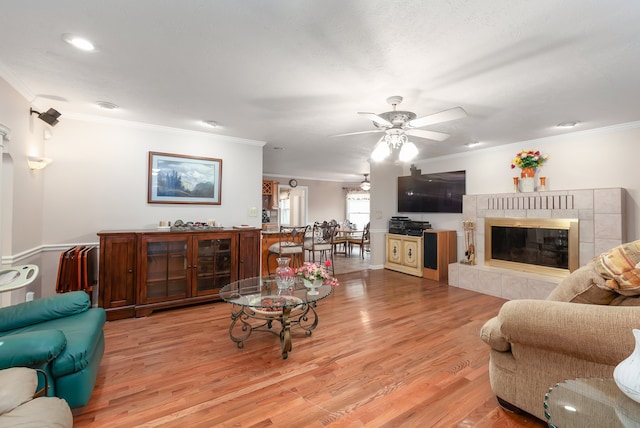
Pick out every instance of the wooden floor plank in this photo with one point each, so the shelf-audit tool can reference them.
(391, 350)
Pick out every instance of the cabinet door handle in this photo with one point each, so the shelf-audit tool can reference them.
(130, 271)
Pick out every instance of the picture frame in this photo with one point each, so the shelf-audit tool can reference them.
(183, 179)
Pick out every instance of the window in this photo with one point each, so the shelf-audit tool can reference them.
(292, 205)
(358, 208)
(285, 211)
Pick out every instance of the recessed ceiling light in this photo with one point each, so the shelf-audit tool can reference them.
(78, 42)
(473, 144)
(567, 124)
(106, 105)
(211, 123)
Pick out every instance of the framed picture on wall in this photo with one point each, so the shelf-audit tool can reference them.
(181, 179)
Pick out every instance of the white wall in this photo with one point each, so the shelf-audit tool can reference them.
(98, 181)
(602, 158)
(22, 202)
(99, 177)
(21, 188)
(384, 205)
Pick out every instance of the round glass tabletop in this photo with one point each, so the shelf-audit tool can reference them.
(590, 402)
(263, 293)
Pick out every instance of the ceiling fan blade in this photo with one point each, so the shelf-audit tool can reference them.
(429, 135)
(443, 116)
(356, 133)
(377, 119)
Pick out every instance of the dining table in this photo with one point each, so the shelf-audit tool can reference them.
(342, 236)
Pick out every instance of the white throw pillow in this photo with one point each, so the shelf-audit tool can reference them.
(17, 386)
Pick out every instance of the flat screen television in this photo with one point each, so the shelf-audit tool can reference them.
(432, 193)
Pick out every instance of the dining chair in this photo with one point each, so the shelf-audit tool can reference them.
(339, 239)
(290, 244)
(321, 241)
(361, 241)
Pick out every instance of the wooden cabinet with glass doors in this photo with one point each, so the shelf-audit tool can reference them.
(179, 268)
(184, 267)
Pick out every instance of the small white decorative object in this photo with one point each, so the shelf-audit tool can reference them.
(312, 286)
(527, 184)
(627, 373)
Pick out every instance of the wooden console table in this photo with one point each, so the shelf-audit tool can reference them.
(427, 256)
(140, 271)
(404, 254)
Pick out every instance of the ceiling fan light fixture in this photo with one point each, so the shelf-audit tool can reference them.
(408, 152)
(365, 184)
(395, 138)
(397, 125)
(381, 150)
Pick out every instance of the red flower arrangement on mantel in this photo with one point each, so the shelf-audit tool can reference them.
(529, 159)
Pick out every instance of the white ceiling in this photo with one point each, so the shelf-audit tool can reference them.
(294, 72)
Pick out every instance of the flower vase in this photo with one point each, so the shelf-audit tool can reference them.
(627, 373)
(312, 286)
(527, 180)
(285, 275)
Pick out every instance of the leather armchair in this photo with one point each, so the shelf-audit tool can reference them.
(61, 335)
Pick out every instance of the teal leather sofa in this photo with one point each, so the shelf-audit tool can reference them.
(61, 335)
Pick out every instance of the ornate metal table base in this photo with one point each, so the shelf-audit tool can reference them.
(303, 315)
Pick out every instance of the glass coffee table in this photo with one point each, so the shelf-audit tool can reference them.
(590, 403)
(257, 303)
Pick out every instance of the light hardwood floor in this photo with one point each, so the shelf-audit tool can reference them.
(390, 350)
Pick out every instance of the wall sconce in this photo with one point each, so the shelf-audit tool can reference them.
(37, 162)
(50, 116)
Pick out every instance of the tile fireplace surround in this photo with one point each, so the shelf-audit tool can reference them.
(600, 213)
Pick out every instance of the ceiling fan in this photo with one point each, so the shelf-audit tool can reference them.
(397, 122)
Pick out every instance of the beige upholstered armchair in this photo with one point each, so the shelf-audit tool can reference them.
(583, 330)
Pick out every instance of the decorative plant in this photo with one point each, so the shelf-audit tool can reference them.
(313, 271)
(529, 159)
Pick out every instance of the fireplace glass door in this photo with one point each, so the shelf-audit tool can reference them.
(545, 246)
(541, 247)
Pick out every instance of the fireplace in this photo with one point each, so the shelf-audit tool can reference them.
(601, 214)
(539, 245)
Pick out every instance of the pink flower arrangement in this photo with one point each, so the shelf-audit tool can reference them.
(313, 271)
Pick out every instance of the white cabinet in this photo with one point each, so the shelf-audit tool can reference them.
(404, 254)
